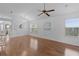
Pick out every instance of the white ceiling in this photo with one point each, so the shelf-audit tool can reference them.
(31, 10)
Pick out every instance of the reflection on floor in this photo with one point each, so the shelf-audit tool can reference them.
(34, 46)
(71, 52)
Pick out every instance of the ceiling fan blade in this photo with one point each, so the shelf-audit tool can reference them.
(50, 10)
(40, 14)
(47, 14)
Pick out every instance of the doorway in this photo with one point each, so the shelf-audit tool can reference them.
(5, 29)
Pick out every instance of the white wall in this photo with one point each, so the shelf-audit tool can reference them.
(16, 21)
(57, 32)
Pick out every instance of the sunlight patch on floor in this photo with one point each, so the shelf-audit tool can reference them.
(70, 52)
(34, 43)
(24, 53)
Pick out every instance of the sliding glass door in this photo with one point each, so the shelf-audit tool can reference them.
(72, 27)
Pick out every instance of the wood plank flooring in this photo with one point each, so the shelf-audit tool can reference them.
(34, 46)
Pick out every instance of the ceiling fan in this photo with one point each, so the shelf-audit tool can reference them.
(44, 11)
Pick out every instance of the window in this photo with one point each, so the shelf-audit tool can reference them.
(34, 28)
(4, 27)
(72, 27)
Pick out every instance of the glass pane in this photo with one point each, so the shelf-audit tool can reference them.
(72, 27)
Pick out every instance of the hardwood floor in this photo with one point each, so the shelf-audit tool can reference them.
(34, 46)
